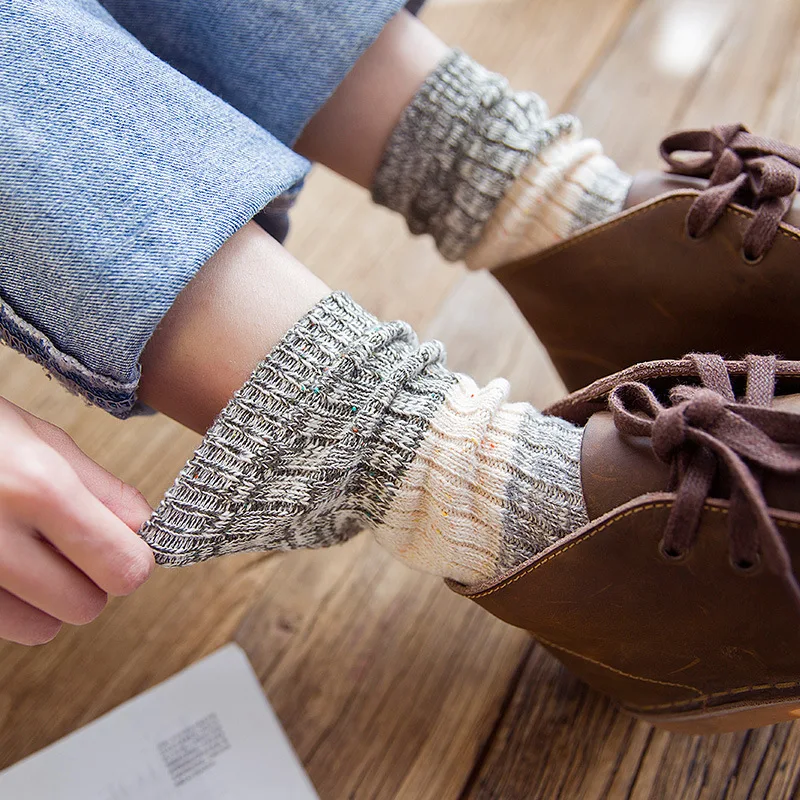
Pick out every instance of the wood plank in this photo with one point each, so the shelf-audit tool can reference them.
(637, 95)
(386, 682)
(353, 245)
(716, 766)
(487, 337)
(754, 73)
(781, 113)
(561, 739)
(539, 45)
(558, 739)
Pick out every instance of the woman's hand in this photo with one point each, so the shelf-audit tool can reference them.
(67, 531)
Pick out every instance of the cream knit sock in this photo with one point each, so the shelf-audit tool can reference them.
(567, 186)
(350, 424)
(487, 173)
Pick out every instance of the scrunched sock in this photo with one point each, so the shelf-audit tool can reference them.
(485, 171)
(352, 424)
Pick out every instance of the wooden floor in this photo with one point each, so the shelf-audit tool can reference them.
(389, 685)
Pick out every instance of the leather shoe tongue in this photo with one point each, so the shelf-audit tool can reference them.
(616, 469)
(650, 184)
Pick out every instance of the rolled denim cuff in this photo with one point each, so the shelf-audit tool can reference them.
(116, 397)
(119, 179)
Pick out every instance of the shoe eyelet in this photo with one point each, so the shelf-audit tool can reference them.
(669, 555)
(751, 262)
(746, 568)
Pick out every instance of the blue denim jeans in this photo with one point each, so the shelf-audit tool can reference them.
(135, 137)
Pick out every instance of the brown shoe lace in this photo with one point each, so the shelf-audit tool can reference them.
(706, 428)
(760, 173)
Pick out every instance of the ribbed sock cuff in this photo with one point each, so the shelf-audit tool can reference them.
(351, 424)
(603, 188)
(566, 187)
(311, 449)
(459, 145)
(492, 484)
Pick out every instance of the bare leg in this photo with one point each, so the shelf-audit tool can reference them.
(350, 131)
(223, 323)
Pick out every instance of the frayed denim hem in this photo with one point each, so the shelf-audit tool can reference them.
(118, 399)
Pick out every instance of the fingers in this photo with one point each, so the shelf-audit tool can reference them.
(87, 533)
(35, 573)
(67, 531)
(20, 622)
(120, 498)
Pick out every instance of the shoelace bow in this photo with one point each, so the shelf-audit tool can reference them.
(757, 172)
(705, 428)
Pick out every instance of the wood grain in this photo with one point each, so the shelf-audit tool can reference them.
(387, 682)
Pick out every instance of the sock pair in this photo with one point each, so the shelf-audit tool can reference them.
(350, 424)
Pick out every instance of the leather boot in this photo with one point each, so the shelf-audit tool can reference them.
(704, 258)
(680, 597)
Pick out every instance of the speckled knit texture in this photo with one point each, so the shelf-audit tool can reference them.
(458, 147)
(352, 424)
(566, 187)
(465, 142)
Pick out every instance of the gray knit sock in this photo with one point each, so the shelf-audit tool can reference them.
(465, 139)
(352, 424)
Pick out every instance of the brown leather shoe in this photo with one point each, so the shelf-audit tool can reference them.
(680, 597)
(706, 258)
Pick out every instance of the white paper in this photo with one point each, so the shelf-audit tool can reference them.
(207, 733)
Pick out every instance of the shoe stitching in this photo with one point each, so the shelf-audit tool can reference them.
(630, 512)
(509, 581)
(622, 672)
(515, 266)
(701, 698)
(664, 706)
